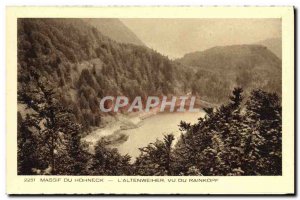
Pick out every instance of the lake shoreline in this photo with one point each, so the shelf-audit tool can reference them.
(117, 129)
(119, 122)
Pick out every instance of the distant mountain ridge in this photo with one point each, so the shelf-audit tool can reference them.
(115, 30)
(219, 69)
(234, 54)
(274, 45)
(81, 65)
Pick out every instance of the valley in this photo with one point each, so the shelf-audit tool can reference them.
(67, 66)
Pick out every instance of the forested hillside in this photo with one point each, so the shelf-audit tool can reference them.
(82, 66)
(219, 69)
(234, 139)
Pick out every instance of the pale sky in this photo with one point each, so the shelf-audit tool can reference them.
(176, 37)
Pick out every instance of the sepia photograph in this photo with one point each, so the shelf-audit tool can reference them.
(67, 66)
(139, 98)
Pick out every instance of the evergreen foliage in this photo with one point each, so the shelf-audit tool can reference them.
(234, 139)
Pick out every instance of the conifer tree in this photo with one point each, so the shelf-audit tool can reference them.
(55, 123)
(156, 158)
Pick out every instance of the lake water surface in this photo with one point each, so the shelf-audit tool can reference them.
(155, 127)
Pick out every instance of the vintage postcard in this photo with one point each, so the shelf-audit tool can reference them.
(150, 100)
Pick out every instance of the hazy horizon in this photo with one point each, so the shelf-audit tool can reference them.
(177, 37)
